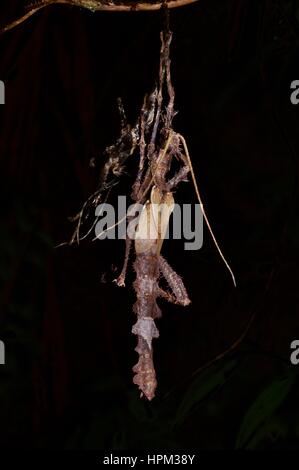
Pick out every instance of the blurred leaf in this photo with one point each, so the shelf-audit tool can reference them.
(203, 386)
(263, 408)
(268, 435)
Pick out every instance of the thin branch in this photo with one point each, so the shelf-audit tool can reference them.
(96, 5)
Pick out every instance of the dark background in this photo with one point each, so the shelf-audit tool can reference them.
(67, 382)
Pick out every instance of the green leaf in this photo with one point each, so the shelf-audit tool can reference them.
(203, 386)
(263, 408)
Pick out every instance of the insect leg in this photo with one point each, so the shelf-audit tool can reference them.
(175, 282)
(120, 281)
(167, 296)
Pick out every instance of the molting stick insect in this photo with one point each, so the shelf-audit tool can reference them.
(163, 163)
(159, 147)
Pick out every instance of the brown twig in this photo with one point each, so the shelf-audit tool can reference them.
(96, 5)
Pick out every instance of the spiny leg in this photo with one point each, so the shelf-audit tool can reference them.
(175, 282)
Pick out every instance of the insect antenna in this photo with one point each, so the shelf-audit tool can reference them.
(203, 209)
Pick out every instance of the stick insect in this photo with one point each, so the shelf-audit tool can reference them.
(32, 7)
(149, 266)
(159, 149)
